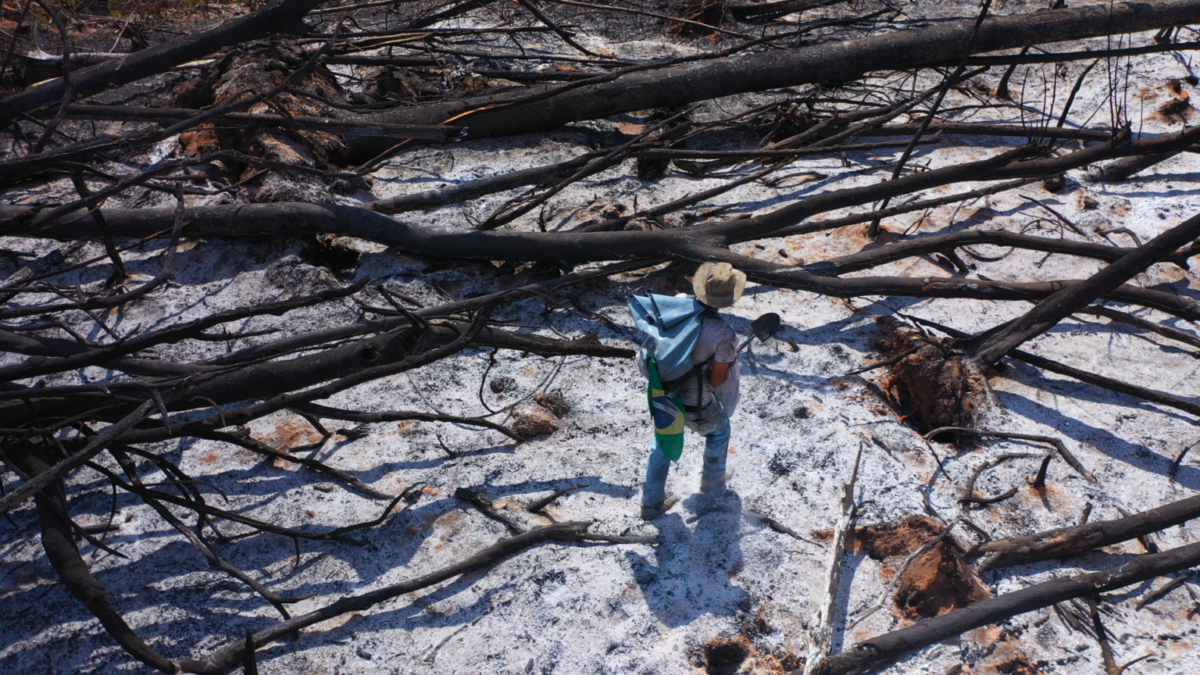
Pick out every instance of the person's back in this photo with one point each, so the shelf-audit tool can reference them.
(717, 344)
(709, 394)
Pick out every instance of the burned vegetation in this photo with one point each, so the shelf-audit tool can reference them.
(313, 332)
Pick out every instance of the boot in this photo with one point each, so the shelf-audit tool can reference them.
(652, 512)
(718, 484)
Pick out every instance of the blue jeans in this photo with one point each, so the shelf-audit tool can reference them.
(713, 424)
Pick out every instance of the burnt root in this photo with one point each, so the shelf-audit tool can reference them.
(934, 385)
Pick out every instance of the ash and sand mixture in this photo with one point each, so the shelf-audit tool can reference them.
(722, 592)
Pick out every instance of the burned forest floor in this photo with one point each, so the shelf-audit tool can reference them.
(336, 193)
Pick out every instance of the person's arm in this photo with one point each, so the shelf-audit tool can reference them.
(720, 371)
(724, 356)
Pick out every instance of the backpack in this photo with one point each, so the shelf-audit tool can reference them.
(672, 325)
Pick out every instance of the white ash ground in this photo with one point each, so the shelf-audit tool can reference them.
(639, 608)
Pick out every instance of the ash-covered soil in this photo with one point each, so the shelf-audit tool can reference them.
(721, 592)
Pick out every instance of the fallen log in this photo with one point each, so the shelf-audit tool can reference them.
(942, 243)
(839, 61)
(52, 355)
(878, 651)
(815, 278)
(773, 10)
(440, 134)
(1067, 541)
(279, 16)
(45, 477)
(353, 360)
(820, 632)
(1063, 303)
(292, 218)
(59, 544)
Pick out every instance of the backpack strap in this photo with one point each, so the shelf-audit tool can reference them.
(673, 385)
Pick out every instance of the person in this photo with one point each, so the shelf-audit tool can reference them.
(709, 393)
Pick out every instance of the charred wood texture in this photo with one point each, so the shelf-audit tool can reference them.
(879, 651)
(1068, 541)
(298, 113)
(834, 61)
(279, 16)
(1062, 304)
(59, 543)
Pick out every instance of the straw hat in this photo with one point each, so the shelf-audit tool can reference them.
(718, 284)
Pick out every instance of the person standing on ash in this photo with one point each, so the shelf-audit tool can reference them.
(691, 361)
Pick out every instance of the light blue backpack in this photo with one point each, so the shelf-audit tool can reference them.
(673, 325)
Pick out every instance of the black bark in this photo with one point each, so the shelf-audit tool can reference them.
(60, 548)
(1068, 541)
(837, 61)
(279, 16)
(883, 649)
(1069, 300)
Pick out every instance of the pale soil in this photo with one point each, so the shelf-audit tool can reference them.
(639, 608)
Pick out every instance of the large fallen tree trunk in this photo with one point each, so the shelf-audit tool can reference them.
(1067, 541)
(1066, 302)
(279, 16)
(833, 61)
(814, 278)
(290, 218)
(699, 243)
(349, 362)
(883, 649)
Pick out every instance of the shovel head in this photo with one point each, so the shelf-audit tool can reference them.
(763, 328)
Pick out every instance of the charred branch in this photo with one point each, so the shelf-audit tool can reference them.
(227, 657)
(836, 61)
(60, 548)
(279, 16)
(1063, 303)
(885, 648)
(1068, 541)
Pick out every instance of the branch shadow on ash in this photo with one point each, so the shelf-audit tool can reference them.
(829, 175)
(1143, 181)
(149, 592)
(1105, 441)
(438, 459)
(358, 628)
(689, 574)
(1097, 326)
(195, 265)
(529, 580)
(841, 614)
(526, 490)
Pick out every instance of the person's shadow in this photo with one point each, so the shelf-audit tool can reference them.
(689, 573)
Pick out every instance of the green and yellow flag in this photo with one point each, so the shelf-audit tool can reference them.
(667, 412)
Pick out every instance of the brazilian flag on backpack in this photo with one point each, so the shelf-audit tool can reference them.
(672, 326)
(667, 411)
